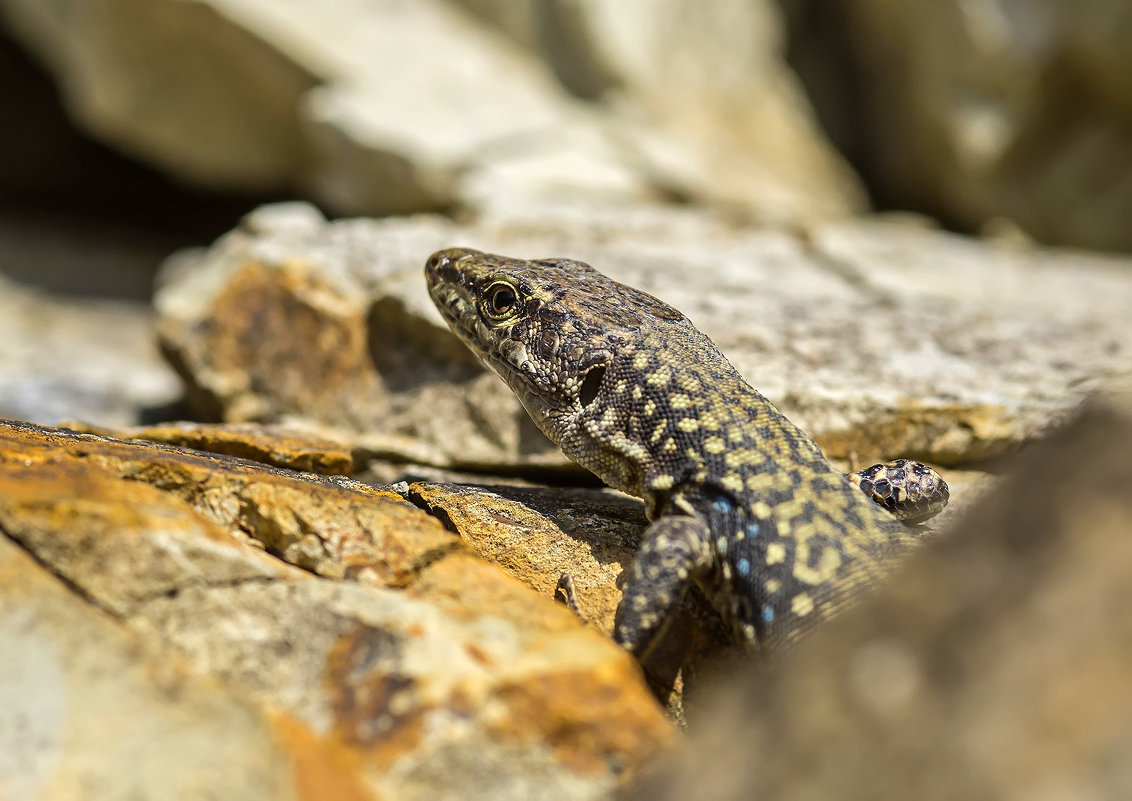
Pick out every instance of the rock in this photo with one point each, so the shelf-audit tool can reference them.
(269, 98)
(881, 339)
(536, 535)
(334, 527)
(197, 121)
(65, 357)
(980, 111)
(395, 107)
(994, 666)
(711, 78)
(366, 367)
(405, 132)
(585, 164)
(90, 708)
(972, 320)
(272, 445)
(430, 674)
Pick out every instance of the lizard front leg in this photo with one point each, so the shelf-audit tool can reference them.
(675, 553)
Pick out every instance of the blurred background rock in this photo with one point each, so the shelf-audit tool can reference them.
(134, 128)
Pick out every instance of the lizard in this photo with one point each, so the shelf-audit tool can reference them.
(741, 503)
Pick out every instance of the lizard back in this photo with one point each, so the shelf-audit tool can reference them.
(632, 391)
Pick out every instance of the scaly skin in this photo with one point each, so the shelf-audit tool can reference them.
(743, 503)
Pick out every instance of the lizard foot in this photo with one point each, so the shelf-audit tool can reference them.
(911, 491)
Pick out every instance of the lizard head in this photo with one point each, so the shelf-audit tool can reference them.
(549, 328)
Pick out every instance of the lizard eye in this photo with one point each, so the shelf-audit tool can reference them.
(500, 299)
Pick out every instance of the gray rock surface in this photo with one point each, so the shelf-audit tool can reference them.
(880, 338)
(66, 358)
(398, 106)
(709, 75)
(89, 708)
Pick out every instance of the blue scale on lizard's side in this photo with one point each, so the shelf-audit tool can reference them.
(743, 504)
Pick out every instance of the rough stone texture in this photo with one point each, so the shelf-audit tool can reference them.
(77, 358)
(90, 709)
(880, 338)
(995, 667)
(433, 675)
(334, 527)
(539, 534)
(536, 535)
(297, 319)
(272, 445)
(393, 106)
(963, 349)
(125, 543)
(982, 110)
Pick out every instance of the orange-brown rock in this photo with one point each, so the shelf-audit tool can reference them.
(332, 526)
(433, 674)
(267, 444)
(537, 536)
(92, 709)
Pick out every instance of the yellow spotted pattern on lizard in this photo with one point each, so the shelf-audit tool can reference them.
(743, 504)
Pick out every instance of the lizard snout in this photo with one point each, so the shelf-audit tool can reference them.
(439, 265)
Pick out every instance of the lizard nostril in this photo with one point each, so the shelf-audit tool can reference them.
(440, 265)
(436, 261)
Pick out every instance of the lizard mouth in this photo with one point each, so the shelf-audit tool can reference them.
(514, 377)
(452, 299)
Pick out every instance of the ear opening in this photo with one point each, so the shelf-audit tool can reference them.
(591, 384)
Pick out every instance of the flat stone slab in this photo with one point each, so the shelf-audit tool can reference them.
(882, 338)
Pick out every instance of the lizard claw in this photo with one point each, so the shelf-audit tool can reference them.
(566, 594)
